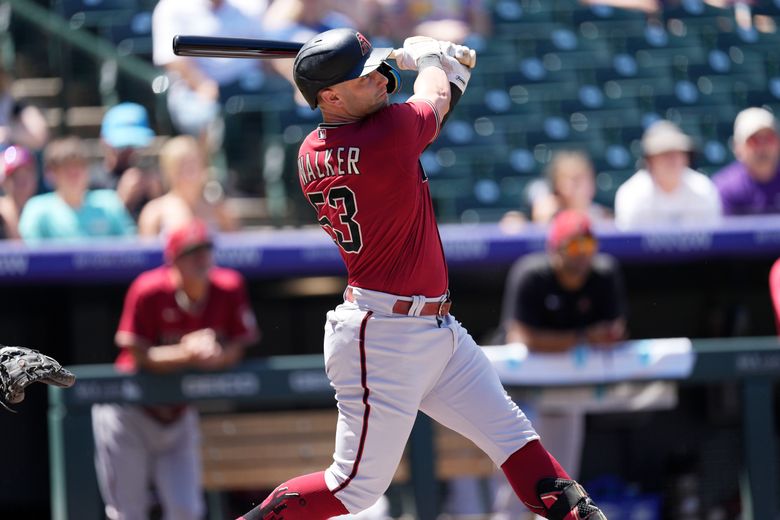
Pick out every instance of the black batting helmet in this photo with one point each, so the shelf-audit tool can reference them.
(339, 55)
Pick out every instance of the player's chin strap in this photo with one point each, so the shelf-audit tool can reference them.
(567, 500)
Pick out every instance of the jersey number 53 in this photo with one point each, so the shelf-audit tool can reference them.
(338, 218)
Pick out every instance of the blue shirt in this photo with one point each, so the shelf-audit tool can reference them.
(101, 214)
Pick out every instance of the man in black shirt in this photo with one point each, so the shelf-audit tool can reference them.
(566, 296)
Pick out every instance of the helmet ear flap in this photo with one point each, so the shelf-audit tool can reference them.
(393, 77)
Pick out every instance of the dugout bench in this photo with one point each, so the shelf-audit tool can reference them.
(291, 382)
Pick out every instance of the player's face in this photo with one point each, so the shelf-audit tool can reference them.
(761, 154)
(577, 253)
(364, 95)
(195, 265)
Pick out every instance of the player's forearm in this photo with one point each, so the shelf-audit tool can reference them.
(233, 353)
(163, 358)
(432, 84)
(540, 340)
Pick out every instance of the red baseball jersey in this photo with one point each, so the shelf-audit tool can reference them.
(371, 195)
(153, 315)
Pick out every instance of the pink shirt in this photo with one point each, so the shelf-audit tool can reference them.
(371, 196)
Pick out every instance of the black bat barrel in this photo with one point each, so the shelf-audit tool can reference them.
(224, 47)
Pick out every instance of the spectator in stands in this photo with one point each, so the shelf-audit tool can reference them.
(571, 184)
(667, 192)
(462, 21)
(200, 87)
(190, 194)
(20, 122)
(72, 211)
(185, 315)
(125, 133)
(751, 184)
(567, 296)
(19, 182)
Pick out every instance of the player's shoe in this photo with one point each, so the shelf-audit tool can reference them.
(273, 509)
(567, 500)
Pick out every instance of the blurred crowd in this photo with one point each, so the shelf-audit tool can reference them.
(169, 187)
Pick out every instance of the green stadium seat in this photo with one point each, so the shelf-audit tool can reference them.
(95, 13)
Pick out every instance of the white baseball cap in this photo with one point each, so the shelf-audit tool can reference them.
(664, 136)
(750, 121)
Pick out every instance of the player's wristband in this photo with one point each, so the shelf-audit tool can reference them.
(429, 60)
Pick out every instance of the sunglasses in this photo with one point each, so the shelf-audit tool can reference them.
(584, 245)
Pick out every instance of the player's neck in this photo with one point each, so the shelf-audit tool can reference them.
(329, 116)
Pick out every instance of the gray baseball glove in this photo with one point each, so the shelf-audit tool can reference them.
(20, 367)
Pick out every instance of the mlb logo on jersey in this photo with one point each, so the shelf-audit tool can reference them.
(365, 46)
(321, 134)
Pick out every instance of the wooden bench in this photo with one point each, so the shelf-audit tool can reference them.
(262, 450)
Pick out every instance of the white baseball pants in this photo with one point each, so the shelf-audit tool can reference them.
(384, 368)
(132, 450)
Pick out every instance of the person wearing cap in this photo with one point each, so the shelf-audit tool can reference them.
(555, 300)
(751, 184)
(666, 192)
(124, 133)
(19, 182)
(72, 210)
(184, 315)
(393, 348)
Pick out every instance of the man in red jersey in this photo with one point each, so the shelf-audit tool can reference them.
(392, 348)
(186, 314)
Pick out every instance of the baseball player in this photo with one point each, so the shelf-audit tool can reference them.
(393, 348)
(184, 315)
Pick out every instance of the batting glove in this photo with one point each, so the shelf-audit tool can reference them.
(403, 59)
(463, 54)
(457, 73)
(419, 46)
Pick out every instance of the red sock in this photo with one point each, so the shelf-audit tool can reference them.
(302, 498)
(526, 467)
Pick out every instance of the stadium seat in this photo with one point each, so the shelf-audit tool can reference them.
(95, 13)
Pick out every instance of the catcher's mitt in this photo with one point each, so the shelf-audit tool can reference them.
(20, 367)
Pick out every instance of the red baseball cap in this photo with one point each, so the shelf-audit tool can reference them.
(13, 158)
(566, 225)
(186, 239)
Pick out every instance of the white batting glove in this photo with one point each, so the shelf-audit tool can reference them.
(463, 54)
(419, 46)
(457, 73)
(403, 59)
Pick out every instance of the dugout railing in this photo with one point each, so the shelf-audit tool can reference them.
(300, 382)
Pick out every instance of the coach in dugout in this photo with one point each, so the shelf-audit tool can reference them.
(751, 184)
(185, 315)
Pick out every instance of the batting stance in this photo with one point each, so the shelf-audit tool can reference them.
(393, 348)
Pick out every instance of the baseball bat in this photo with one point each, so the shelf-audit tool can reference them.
(225, 47)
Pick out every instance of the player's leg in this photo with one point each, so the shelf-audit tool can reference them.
(177, 468)
(121, 461)
(470, 399)
(379, 380)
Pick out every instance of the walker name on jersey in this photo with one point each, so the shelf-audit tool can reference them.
(330, 162)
